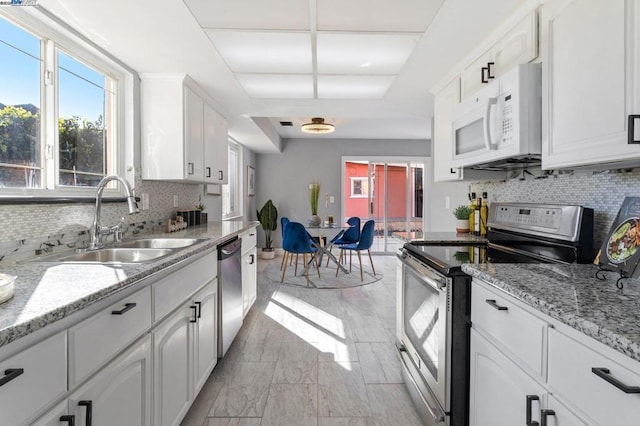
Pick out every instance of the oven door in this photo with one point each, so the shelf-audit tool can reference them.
(425, 315)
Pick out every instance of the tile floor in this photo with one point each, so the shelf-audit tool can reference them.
(311, 357)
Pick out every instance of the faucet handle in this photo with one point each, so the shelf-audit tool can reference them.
(118, 231)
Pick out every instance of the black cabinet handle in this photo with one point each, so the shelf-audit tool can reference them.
(220, 175)
(89, 413)
(195, 313)
(483, 77)
(252, 259)
(127, 308)
(530, 399)
(543, 416)
(493, 304)
(71, 420)
(199, 305)
(631, 129)
(489, 75)
(190, 168)
(453, 171)
(208, 169)
(605, 373)
(11, 374)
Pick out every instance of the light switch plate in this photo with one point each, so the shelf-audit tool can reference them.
(175, 201)
(145, 201)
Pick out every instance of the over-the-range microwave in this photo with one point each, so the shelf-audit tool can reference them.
(499, 127)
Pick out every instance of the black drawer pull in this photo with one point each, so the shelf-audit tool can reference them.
(631, 129)
(605, 373)
(493, 304)
(490, 76)
(71, 420)
(220, 175)
(208, 169)
(191, 167)
(252, 259)
(11, 374)
(453, 171)
(195, 313)
(127, 308)
(543, 416)
(530, 399)
(199, 304)
(89, 413)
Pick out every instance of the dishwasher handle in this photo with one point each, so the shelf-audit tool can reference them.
(230, 248)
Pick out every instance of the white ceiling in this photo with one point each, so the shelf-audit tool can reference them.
(290, 60)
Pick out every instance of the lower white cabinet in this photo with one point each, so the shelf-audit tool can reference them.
(557, 414)
(185, 352)
(500, 393)
(57, 416)
(249, 279)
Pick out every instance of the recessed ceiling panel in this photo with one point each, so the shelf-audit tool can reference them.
(376, 15)
(350, 53)
(264, 52)
(251, 14)
(267, 86)
(353, 86)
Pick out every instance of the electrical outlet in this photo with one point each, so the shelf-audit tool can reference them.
(447, 202)
(145, 201)
(175, 201)
(332, 199)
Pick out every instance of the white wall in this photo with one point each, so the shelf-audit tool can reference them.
(439, 216)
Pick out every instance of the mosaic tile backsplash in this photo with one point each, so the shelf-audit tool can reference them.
(29, 229)
(601, 191)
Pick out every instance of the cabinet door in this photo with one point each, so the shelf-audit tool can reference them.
(590, 82)
(222, 168)
(172, 368)
(442, 137)
(194, 136)
(120, 393)
(561, 415)
(249, 279)
(211, 149)
(499, 389)
(206, 334)
(52, 418)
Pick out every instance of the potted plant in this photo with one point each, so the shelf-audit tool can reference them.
(462, 215)
(268, 218)
(314, 195)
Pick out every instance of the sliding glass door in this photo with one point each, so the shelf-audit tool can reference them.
(389, 191)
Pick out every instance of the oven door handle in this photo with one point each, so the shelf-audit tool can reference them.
(433, 282)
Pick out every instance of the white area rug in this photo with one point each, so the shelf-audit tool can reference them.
(327, 276)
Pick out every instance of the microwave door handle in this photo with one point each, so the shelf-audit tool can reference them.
(488, 141)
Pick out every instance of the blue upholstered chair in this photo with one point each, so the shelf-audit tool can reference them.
(346, 236)
(283, 224)
(296, 241)
(365, 243)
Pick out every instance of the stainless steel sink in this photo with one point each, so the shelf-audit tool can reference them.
(160, 243)
(111, 255)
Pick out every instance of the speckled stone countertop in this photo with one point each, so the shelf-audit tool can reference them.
(573, 295)
(440, 237)
(49, 292)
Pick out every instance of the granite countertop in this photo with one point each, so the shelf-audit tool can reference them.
(573, 295)
(440, 237)
(49, 292)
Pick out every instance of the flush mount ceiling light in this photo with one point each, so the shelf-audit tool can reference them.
(317, 126)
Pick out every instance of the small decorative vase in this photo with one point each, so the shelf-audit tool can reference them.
(462, 226)
(314, 220)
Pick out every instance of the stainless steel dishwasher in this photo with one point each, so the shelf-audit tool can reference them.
(229, 293)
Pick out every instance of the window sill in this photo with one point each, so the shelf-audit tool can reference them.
(59, 200)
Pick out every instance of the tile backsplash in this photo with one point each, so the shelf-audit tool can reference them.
(27, 229)
(601, 191)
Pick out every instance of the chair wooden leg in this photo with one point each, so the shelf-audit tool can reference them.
(315, 259)
(371, 260)
(339, 262)
(284, 258)
(284, 269)
(350, 260)
(360, 260)
(306, 267)
(327, 265)
(295, 273)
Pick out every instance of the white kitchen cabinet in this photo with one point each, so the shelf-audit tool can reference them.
(216, 147)
(501, 394)
(57, 416)
(185, 352)
(33, 379)
(518, 46)
(249, 279)
(442, 139)
(559, 415)
(120, 394)
(178, 123)
(590, 83)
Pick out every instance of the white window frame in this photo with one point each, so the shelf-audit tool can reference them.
(237, 148)
(58, 36)
(365, 186)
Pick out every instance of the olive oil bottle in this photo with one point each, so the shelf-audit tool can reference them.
(484, 214)
(472, 215)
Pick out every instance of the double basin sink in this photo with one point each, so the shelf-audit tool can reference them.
(132, 251)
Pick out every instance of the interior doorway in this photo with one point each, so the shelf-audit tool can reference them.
(389, 191)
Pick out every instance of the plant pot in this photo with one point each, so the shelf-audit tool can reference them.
(267, 254)
(462, 226)
(314, 220)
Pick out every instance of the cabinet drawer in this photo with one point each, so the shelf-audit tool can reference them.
(171, 291)
(43, 379)
(511, 326)
(570, 375)
(248, 240)
(97, 339)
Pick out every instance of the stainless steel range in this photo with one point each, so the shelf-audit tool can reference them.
(434, 301)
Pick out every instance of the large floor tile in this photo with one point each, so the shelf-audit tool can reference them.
(341, 390)
(345, 421)
(291, 405)
(380, 362)
(391, 405)
(245, 390)
(233, 421)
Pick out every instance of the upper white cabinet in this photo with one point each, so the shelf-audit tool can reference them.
(442, 140)
(518, 46)
(590, 53)
(183, 137)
